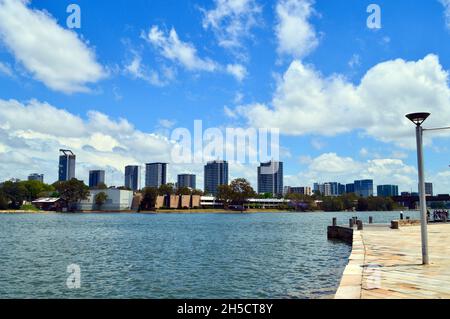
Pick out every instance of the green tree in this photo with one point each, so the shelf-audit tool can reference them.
(333, 204)
(100, 199)
(72, 192)
(15, 194)
(380, 204)
(350, 201)
(166, 189)
(35, 188)
(183, 191)
(241, 191)
(363, 205)
(149, 195)
(3, 201)
(224, 194)
(197, 192)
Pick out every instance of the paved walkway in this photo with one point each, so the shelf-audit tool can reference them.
(386, 264)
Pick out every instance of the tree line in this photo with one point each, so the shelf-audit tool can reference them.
(236, 194)
(345, 202)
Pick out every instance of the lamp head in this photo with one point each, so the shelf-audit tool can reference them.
(418, 118)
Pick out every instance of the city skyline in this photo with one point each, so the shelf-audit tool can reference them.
(155, 175)
(117, 97)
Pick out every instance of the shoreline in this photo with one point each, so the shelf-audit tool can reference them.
(350, 285)
(166, 212)
(183, 211)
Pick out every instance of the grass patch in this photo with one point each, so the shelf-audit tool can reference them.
(29, 208)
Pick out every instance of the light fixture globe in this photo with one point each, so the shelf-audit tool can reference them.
(418, 118)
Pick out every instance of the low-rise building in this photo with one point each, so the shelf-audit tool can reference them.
(117, 200)
(49, 204)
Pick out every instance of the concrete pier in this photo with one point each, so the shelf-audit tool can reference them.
(340, 233)
(386, 264)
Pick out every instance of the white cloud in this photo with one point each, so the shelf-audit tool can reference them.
(399, 155)
(238, 98)
(98, 141)
(229, 112)
(441, 182)
(165, 123)
(232, 21)
(330, 163)
(237, 70)
(296, 36)
(183, 53)
(305, 159)
(446, 4)
(317, 143)
(306, 102)
(364, 152)
(5, 69)
(137, 70)
(355, 61)
(53, 55)
(27, 146)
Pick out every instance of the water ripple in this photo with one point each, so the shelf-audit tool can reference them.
(171, 256)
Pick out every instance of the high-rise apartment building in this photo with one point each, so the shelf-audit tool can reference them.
(216, 174)
(270, 178)
(96, 177)
(155, 174)
(186, 180)
(387, 190)
(133, 177)
(329, 189)
(429, 189)
(364, 188)
(350, 188)
(298, 190)
(66, 165)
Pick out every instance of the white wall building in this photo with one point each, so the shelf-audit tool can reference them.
(117, 200)
(210, 201)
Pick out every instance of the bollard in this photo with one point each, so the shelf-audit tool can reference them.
(351, 223)
(370, 220)
(360, 225)
(334, 221)
(394, 224)
(401, 216)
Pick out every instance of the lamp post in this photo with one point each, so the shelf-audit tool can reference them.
(418, 119)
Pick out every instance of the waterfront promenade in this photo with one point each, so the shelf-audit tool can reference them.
(386, 264)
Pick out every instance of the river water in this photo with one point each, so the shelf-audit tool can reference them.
(267, 255)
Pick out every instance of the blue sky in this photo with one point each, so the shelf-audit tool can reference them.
(115, 88)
